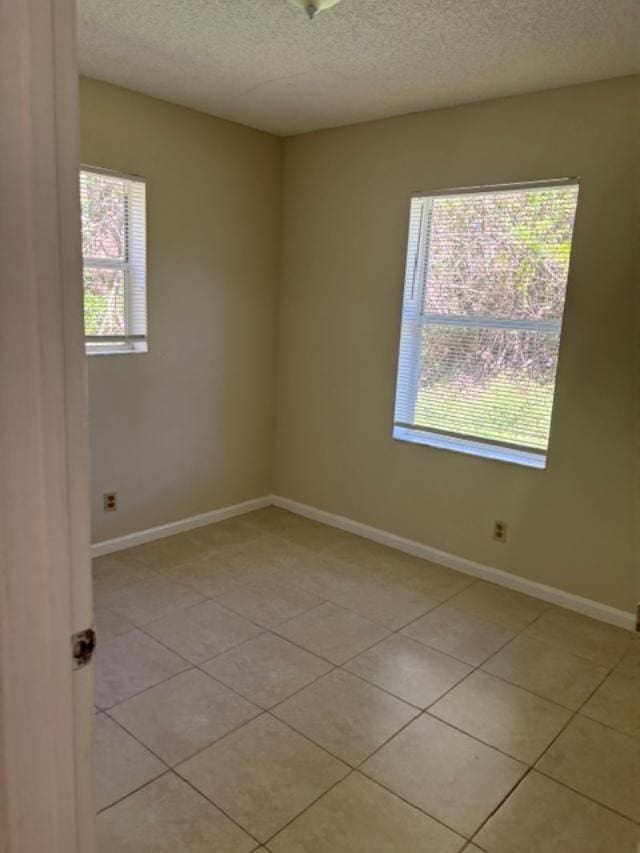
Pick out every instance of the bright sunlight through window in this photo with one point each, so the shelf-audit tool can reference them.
(484, 295)
(114, 262)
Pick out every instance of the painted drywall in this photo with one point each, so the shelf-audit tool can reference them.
(188, 427)
(345, 211)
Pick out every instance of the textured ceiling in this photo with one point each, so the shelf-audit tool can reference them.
(263, 63)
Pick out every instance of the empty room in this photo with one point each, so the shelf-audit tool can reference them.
(320, 426)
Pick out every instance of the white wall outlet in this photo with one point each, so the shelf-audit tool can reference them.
(110, 501)
(500, 531)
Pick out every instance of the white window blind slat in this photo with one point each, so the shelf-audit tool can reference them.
(484, 295)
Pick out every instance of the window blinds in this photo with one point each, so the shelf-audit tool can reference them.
(485, 284)
(113, 210)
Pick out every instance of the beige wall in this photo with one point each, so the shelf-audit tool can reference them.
(188, 427)
(346, 197)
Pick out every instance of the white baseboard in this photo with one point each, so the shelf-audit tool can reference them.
(109, 546)
(586, 606)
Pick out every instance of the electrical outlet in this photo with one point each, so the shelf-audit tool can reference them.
(500, 531)
(110, 501)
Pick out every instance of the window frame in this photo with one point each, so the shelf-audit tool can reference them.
(413, 321)
(133, 267)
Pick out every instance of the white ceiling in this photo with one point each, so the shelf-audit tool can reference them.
(263, 63)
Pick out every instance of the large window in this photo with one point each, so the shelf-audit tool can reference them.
(114, 262)
(484, 295)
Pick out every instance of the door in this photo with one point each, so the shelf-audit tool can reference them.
(45, 594)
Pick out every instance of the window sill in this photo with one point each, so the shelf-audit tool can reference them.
(116, 349)
(472, 448)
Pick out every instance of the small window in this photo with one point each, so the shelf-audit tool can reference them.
(484, 295)
(114, 262)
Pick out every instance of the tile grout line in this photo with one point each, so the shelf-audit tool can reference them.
(529, 767)
(360, 768)
(215, 805)
(398, 631)
(334, 667)
(533, 767)
(408, 802)
(357, 769)
(192, 667)
(199, 666)
(173, 770)
(211, 551)
(351, 768)
(581, 713)
(168, 771)
(105, 709)
(161, 775)
(263, 709)
(472, 671)
(608, 808)
(280, 582)
(391, 632)
(480, 667)
(350, 772)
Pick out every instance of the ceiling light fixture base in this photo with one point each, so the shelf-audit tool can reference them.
(312, 7)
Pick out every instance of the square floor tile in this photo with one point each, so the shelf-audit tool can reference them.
(296, 528)
(617, 703)
(302, 531)
(368, 554)
(498, 604)
(267, 669)
(429, 578)
(446, 773)
(332, 632)
(358, 816)
(389, 604)
(145, 601)
(315, 536)
(163, 554)
(113, 571)
(598, 762)
(131, 663)
(409, 670)
(345, 715)
(541, 816)
(198, 633)
(121, 763)
(181, 716)
(210, 576)
(110, 624)
(327, 577)
(588, 638)
(165, 817)
(502, 715)
(263, 775)
(547, 671)
(230, 533)
(465, 637)
(265, 558)
(268, 603)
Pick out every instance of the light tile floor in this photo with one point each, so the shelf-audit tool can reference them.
(272, 684)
